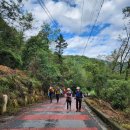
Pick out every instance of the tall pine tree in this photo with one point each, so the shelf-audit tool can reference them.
(61, 44)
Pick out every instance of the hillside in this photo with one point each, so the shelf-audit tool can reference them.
(19, 87)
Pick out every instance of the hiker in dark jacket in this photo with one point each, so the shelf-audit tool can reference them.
(50, 93)
(78, 96)
(57, 93)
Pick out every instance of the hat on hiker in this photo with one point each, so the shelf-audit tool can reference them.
(68, 89)
(78, 88)
(50, 88)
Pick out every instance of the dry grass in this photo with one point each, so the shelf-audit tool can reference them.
(116, 115)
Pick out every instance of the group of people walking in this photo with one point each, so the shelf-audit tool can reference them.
(78, 97)
(57, 91)
(68, 95)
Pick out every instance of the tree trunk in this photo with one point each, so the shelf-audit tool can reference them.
(121, 68)
(127, 70)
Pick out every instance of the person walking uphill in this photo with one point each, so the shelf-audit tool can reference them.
(50, 93)
(68, 98)
(57, 93)
(78, 96)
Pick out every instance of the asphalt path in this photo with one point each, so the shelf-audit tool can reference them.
(55, 116)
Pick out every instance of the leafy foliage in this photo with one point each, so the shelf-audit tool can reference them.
(10, 49)
(60, 46)
(11, 11)
(117, 92)
(9, 58)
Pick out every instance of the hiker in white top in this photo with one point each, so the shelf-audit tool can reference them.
(68, 98)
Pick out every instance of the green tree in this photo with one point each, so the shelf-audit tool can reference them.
(60, 46)
(10, 46)
(121, 56)
(12, 12)
(126, 12)
(98, 73)
(39, 60)
(35, 46)
(13, 21)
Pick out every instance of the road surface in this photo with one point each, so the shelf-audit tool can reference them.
(55, 116)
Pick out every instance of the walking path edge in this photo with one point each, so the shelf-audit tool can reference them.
(104, 118)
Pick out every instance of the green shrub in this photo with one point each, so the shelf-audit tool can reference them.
(21, 102)
(127, 111)
(10, 58)
(117, 92)
(4, 85)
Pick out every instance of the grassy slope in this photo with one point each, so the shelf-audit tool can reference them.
(20, 88)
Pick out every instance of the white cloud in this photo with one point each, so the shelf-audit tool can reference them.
(93, 49)
(69, 18)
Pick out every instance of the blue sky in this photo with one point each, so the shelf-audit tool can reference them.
(75, 21)
(95, 31)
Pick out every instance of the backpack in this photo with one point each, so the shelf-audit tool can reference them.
(50, 90)
(78, 94)
(68, 96)
(57, 91)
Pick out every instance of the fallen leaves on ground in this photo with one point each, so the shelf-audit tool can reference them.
(116, 115)
(4, 70)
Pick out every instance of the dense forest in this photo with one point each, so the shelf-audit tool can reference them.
(28, 66)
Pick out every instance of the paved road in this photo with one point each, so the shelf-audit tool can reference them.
(54, 116)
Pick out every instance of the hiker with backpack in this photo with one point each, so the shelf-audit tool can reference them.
(78, 97)
(68, 98)
(50, 93)
(57, 93)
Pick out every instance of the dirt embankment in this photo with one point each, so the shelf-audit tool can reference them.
(121, 117)
(20, 89)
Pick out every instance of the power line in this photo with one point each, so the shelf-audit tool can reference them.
(93, 27)
(92, 14)
(82, 16)
(44, 9)
(42, 4)
(49, 13)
